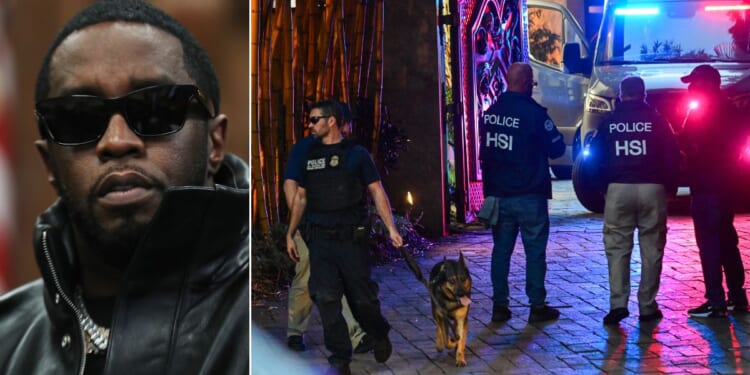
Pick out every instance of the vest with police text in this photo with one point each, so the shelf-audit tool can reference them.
(516, 140)
(330, 187)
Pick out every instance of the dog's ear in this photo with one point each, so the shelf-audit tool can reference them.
(461, 258)
(438, 277)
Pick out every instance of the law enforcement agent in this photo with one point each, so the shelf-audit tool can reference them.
(299, 302)
(712, 139)
(517, 138)
(331, 196)
(635, 154)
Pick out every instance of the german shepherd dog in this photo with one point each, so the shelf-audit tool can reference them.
(450, 291)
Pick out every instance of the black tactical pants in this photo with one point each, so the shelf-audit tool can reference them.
(716, 237)
(341, 267)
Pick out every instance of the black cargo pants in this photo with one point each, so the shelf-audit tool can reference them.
(339, 265)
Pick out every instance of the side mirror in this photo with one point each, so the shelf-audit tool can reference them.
(572, 60)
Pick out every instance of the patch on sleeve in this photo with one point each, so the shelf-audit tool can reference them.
(549, 125)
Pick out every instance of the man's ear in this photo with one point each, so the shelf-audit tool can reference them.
(42, 146)
(217, 132)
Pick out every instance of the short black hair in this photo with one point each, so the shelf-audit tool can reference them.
(196, 60)
(333, 108)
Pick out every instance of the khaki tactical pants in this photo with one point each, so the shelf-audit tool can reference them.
(300, 303)
(627, 207)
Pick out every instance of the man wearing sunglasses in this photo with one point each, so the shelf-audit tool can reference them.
(331, 196)
(144, 257)
(299, 302)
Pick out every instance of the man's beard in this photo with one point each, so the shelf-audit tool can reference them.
(115, 245)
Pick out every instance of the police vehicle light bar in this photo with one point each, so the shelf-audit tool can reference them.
(722, 8)
(650, 11)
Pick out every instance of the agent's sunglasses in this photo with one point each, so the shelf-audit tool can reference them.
(315, 119)
(149, 112)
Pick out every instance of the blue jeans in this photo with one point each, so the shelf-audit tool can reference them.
(529, 214)
(716, 237)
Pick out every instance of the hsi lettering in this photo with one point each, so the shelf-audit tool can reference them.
(631, 148)
(499, 140)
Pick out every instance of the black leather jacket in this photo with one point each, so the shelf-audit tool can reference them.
(182, 307)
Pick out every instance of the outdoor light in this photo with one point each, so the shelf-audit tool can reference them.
(409, 199)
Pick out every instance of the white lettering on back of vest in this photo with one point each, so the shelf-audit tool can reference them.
(510, 122)
(499, 140)
(316, 164)
(630, 127)
(634, 147)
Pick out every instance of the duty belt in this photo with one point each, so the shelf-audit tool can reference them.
(322, 232)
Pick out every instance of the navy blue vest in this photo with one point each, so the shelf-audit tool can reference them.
(330, 187)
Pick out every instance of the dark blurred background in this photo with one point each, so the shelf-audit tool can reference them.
(28, 26)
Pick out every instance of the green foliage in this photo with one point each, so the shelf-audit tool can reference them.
(543, 42)
(661, 49)
(382, 249)
(392, 139)
(391, 142)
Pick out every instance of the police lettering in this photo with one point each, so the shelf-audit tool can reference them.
(629, 127)
(511, 122)
(630, 148)
(316, 164)
(499, 140)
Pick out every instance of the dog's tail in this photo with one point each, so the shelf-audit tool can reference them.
(413, 266)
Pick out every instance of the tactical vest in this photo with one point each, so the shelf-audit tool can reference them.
(329, 187)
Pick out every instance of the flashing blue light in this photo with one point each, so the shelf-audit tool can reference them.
(586, 152)
(650, 11)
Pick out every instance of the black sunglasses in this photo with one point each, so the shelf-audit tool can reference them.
(315, 119)
(152, 111)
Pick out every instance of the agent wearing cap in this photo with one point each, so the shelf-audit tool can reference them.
(638, 165)
(712, 140)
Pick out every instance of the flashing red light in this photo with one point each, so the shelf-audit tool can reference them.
(693, 105)
(723, 8)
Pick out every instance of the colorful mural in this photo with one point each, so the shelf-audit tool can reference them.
(492, 35)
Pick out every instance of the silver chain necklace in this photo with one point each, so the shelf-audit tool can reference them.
(95, 336)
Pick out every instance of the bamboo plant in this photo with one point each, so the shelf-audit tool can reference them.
(317, 50)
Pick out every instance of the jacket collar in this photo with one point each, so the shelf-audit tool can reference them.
(193, 238)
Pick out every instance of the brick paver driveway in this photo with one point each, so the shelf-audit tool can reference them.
(577, 343)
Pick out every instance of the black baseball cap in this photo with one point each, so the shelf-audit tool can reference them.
(703, 73)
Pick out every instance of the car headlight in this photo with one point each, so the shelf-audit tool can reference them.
(597, 104)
